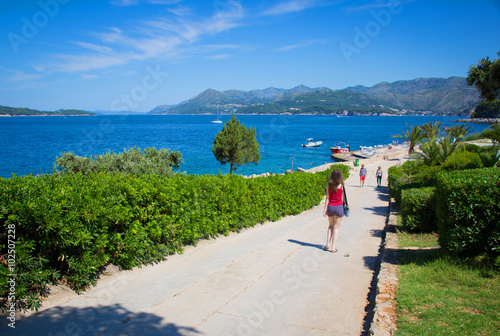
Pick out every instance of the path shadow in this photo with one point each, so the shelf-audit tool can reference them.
(318, 246)
(109, 320)
(382, 210)
(383, 193)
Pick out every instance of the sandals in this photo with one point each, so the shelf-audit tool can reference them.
(327, 248)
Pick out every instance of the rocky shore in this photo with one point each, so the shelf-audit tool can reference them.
(479, 120)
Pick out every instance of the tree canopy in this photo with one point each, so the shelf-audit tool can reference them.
(485, 75)
(236, 145)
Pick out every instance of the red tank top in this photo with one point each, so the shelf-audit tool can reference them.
(335, 198)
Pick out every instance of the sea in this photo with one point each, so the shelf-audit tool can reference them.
(30, 145)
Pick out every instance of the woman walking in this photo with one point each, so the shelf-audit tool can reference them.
(378, 174)
(334, 208)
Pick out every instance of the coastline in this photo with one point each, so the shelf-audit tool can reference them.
(479, 120)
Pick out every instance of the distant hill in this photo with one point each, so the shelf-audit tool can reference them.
(442, 96)
(23, 111)
(213, 101)
(437, 95)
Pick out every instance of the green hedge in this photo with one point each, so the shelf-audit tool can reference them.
(468, 211)
(409, 176)
(71, 226)
(418, 209)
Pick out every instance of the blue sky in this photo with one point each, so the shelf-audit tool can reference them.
(138, 54)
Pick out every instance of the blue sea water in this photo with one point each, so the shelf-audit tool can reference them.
(30, 145)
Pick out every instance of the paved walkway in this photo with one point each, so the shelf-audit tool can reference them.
(273, 279)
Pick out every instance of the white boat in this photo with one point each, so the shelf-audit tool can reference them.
(217, 121)
(311, 143)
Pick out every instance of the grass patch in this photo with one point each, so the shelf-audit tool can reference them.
(442, 295)
(416, 240)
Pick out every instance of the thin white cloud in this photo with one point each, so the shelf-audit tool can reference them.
(219, 57)
(126, 3)
(17, 76)
(20, 80)
(301, 45)
(292, 6)
(94, 47)
(159, 39)
(380, 4)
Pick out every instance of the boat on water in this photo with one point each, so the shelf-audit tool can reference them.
(341, 148)
(311, 143)
(217, 121)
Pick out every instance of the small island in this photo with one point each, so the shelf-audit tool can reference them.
(6, 111)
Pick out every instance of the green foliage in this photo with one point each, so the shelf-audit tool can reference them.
(435, 153)
(487, 109)
(458, 133)
(418, 209)
(485, 75)
(236, 145)
(432, 130)
(463, 159)
(493, 133)
(413, 135)
(411, 174)
(468, 212)
(69, 226)
(131, 161)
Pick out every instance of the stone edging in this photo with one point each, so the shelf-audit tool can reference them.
(384, 313)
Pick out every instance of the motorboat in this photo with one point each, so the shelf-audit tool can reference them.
(339, 149)
(311, 143)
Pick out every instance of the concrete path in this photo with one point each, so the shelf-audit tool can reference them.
(273, 279)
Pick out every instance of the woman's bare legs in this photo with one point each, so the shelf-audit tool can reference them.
(335, 228)
(333, 232)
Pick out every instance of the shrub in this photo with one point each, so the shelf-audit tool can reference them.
(131, 161)
(72, 225)
(463, 159)
(411, 175)
(418, 209)
(468, 212)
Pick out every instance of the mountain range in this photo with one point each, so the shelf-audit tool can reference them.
(441, 96)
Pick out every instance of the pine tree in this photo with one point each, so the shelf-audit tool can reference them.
(236, 145)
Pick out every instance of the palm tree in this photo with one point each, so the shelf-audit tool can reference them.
(432, 130)
(436, 153)
(458, 132)
(413, 135)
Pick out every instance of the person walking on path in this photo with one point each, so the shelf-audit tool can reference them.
(334, 208)
(362, 176)
(378, 174)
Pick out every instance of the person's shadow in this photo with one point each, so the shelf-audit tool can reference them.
(318, 246)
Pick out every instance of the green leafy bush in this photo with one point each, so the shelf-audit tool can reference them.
(131, 161)
(411, 174)
(418, 209)
(468, 212)
(463, 159)
(69, 226)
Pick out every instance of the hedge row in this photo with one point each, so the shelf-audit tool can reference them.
(70, 226)
(418, 209)
(468, 211)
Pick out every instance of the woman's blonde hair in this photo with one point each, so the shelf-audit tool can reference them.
(336, 178)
